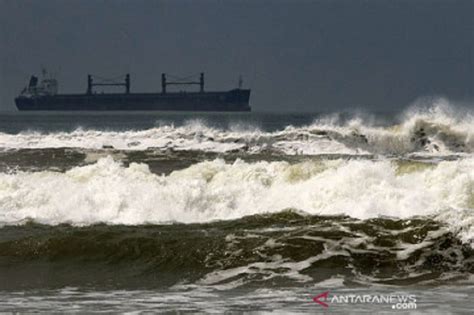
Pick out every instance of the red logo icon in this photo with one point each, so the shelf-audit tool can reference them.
(318, 298)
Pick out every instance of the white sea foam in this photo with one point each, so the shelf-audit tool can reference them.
(439, 129)
(215, 190)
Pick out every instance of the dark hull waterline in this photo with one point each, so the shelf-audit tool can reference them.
(234, 100)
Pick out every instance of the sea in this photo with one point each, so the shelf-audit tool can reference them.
(258, 213)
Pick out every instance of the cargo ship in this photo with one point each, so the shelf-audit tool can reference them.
(43, 96)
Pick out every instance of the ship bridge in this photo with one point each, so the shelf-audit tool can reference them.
(47, 86)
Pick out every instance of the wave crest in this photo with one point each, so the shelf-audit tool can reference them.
(107, 192)
(438, 129)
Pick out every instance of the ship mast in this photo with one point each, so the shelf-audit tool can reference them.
(182, 81)
(107, 82)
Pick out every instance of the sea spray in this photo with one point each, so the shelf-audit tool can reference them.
(438, 130)
(108, 192)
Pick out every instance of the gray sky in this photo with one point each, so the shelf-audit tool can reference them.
(294, 55)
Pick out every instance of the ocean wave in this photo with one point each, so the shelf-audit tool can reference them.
(108, 192)
(436, 130)
(274, 250)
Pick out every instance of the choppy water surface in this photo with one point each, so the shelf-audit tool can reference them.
(246, 212)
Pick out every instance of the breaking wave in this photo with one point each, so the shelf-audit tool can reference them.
(439, 129)
(366, 203)
(280, 249)
(108, 192)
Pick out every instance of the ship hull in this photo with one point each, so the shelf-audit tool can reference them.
(234, 100)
